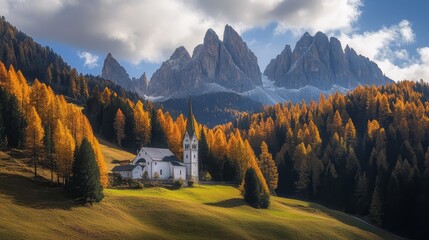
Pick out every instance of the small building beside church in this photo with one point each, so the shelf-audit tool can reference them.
(161, 162)
(129, 171)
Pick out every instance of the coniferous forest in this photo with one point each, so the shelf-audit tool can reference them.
(366, 152)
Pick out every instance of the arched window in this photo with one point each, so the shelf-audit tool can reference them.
(160, 172)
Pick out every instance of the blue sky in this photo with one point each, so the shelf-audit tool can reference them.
(141, 34)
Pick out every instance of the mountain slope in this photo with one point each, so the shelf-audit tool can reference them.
(213, 108)
(202, 212)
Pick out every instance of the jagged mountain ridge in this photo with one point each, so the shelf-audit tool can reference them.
(214, 64)
(113, 71)
(321, 62)
(316, 65)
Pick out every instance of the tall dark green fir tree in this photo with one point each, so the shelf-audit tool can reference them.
(85, 181)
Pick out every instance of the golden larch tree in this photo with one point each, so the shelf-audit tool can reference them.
(268, 167)
(34, 137)
(64, 150)
(119, 126)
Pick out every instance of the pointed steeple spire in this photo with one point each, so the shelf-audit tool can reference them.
(190, 127)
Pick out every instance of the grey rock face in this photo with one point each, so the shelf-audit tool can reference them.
(113, 71)
(319, 62)
(230, 64)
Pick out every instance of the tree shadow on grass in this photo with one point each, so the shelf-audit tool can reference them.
(26, 192)
(229, 203)
(345, 218)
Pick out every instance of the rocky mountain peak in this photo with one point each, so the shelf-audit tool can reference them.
(321, 62)
(180, 53)
(211, 37)
(214, 65)
(113, 71)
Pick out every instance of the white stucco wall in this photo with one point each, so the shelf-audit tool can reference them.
(179, 172)
(136, 173)
(158, 166)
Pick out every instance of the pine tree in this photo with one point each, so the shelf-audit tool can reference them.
(203, 153)
(34, 137)
(85, 182)
(376, 207)
(268, 167)
(13, 119)
(119, 126)
(254, 194)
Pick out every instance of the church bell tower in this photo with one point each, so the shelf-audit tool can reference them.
(190, 147)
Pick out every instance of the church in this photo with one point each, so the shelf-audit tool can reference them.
(161, 163)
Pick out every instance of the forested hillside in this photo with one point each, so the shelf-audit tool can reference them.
(42, 63)
(366, 152)
(49, 128)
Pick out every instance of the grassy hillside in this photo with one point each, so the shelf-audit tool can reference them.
(112, 152)
(30, 210)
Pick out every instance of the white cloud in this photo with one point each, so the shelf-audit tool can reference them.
(90, 60)
(386, 47)
(150, 30)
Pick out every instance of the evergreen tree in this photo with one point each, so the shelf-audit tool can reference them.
(376, 207)
(157, 132)
(254, 194)
(203, 153)
(13, 119)
(85, 182)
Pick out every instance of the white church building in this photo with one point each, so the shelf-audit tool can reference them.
(162, 162)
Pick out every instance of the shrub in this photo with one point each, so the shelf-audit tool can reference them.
(254, 193)
(133, 184)
(207, 176)
(178, 183)
(190, 183)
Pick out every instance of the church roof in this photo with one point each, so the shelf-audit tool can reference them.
(161, 154)
(124, 168)
(190, 125)
(177, 163)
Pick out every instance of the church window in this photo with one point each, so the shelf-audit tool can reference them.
(194, 155)
(186, 156)
(180, 172)
(194, 146)
(155, 163)
(160, 172)
(186, 145)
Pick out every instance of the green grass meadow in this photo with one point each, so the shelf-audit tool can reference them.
(30, 210)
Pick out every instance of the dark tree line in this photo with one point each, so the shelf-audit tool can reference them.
(12, 121)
